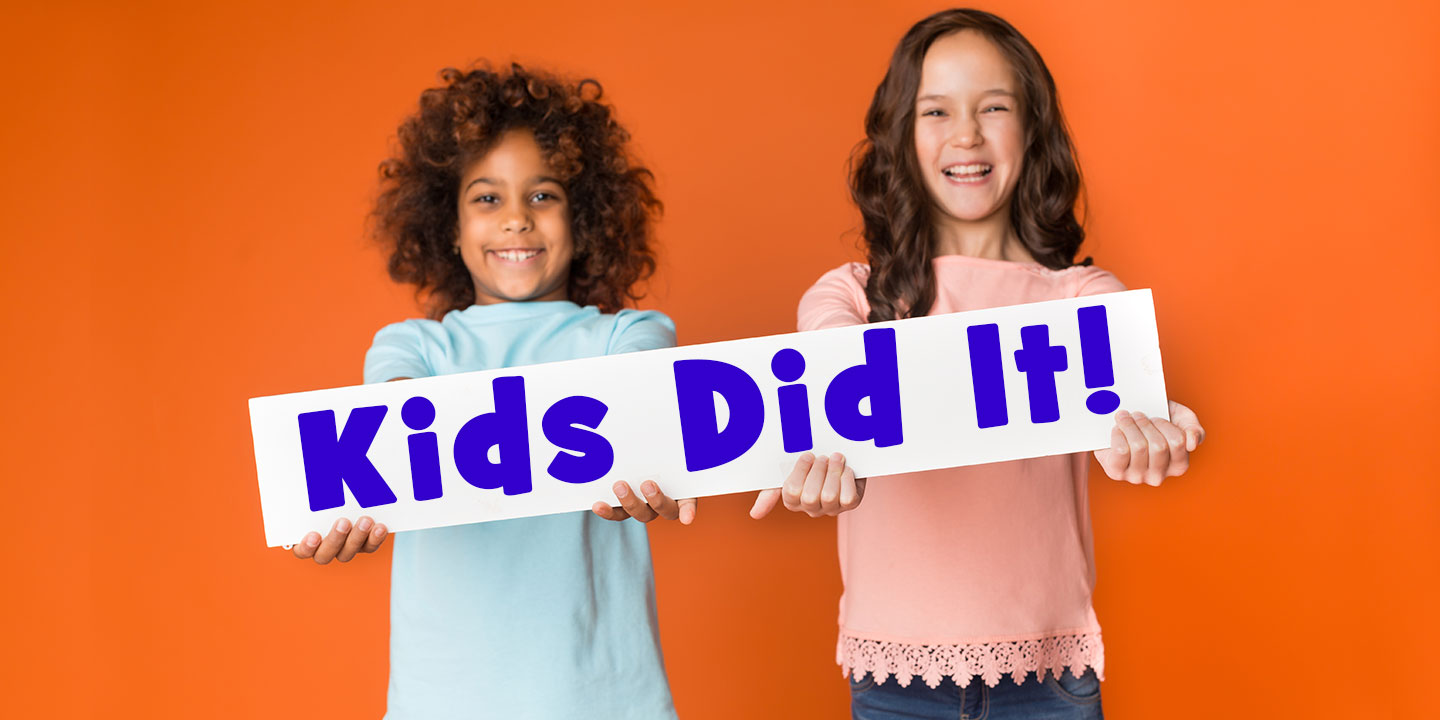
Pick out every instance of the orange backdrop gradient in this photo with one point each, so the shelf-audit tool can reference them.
(185, 193)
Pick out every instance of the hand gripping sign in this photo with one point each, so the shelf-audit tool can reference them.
(905, 396)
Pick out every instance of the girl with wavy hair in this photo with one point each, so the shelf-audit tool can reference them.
(517, 213)
(967, 183)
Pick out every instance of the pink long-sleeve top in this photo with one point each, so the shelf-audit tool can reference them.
(984, 570)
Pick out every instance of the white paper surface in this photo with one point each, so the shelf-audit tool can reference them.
(642, 425)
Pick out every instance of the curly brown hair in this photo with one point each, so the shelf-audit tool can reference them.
(612, 201)
(895, 206)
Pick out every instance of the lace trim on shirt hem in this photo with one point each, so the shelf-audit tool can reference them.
(990, 661)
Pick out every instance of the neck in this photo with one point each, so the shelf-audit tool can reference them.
(991, 238)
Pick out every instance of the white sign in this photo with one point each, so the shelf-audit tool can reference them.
(919, 394)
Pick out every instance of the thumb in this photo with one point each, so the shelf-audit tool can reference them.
(1114, 459)
(1194, 435)
(1188, 421)
(765, 502)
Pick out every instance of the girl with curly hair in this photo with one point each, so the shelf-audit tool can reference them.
(515, 210)
(967, 185)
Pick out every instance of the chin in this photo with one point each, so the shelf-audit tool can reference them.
(970, 214)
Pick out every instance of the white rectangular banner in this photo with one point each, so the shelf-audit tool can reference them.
(919, 394)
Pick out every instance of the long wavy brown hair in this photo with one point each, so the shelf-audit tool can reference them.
(887, 185)
(612, 205)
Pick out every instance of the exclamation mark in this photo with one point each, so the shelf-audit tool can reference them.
(1095, 357)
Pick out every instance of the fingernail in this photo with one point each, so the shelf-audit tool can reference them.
(312, 539)
(648, 488)
(622, 490)
(342, 525)
(1122, 414)
(808, 457)
(364, 525)
(835, 457)
(380, 531)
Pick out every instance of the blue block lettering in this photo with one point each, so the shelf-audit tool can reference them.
(595, 457)
(788, 365)
(418, 413)
(795, 418)
(332, 460)
(1095, 359)
(1039, 360)
(877, 378)
(506, 428)
(706, 444)
(987, 375)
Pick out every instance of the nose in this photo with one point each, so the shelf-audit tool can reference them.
(967, 133)
(518, 221)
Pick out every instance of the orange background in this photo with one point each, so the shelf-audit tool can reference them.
(185, 191)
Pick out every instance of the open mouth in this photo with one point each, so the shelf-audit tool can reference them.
(517, 255)
(972, 173)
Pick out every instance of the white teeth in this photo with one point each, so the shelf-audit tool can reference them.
(517, 255)
(973, 169)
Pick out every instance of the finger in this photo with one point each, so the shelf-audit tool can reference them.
(830, 490)
(814, 481)
(659, 501)
(633, 503)
(355, 540)
(1115, 459)
(1159, 451)
(688, 507)
(765, 501)
(1136, 445)
(790, 491)
(376, 538)
(305, 549)
(1188, 421)
(851, 489)
(1175, 439)
(332, 542)
(1194, 435)
(609, 513)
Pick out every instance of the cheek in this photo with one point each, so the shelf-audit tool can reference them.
(557, 232)
(470, 227)
(1011, 143)
(926, 144)
(474, 261)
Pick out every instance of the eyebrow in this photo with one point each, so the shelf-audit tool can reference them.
(992, 91)
(533, 181)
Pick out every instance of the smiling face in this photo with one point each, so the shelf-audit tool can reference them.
(969, 134)
(514, 224)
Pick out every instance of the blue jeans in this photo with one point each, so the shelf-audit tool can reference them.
(1066, 698)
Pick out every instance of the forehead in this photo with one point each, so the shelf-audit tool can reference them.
(964, 63)
(515, 154)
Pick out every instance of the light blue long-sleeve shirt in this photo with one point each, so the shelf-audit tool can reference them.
(542, 617)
